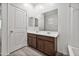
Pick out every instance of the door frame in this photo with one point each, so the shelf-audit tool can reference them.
(4, 40)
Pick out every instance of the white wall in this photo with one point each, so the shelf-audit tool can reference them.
(64, 27)
(74, 25)
(30, 13)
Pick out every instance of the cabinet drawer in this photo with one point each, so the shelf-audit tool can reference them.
(31, 40)
(46, 38)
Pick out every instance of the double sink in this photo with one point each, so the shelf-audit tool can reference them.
(45, 33)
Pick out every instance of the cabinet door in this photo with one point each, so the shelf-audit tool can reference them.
(49, 48)
(40, 44)
(33, 42)
(29, 41)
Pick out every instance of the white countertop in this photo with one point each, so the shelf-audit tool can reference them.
(45, 33)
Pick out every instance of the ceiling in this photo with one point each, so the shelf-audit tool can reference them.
(42, 4)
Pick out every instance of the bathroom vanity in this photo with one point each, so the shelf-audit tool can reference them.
(43, 32)
(45, 42)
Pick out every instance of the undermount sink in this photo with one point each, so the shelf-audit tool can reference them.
(36, 31)
(44, 32)
(48, 32)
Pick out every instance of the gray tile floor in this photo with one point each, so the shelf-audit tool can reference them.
(26, 51)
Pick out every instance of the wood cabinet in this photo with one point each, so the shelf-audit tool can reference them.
(44, 44)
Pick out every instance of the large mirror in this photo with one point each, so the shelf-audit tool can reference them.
(51, 20)
(47, 21)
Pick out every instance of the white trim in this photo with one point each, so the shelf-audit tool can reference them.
(4, 30)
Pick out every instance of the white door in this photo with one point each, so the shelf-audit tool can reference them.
(16, 28)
